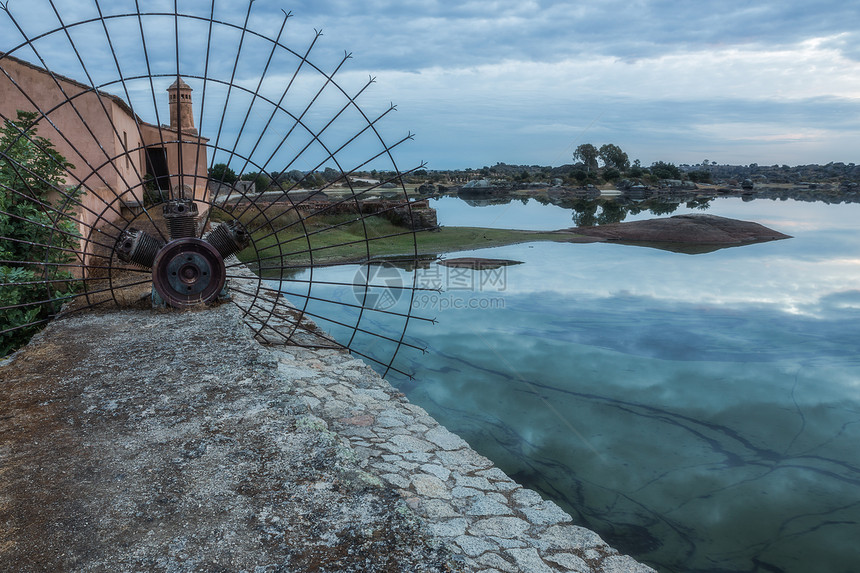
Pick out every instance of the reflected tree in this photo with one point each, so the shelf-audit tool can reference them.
(702, 204)
(588, 213)
(584, 213)
(611, 212)
(663, 208)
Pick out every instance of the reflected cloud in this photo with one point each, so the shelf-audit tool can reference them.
(700, 412)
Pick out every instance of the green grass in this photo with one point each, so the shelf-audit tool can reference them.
(331, 239)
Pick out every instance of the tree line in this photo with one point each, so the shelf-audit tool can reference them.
(296, 179)
(616, 165)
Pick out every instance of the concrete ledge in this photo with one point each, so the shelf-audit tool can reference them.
(174, 441)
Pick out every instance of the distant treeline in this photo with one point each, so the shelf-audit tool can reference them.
(700, 173)
(609, 163)
(592, 165)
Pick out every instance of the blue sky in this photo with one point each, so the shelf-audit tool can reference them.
(520, 81)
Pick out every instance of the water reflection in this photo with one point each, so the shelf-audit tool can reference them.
(587, 211)
(591, 212)
(698, 440)
(557, 210)
(701, 413)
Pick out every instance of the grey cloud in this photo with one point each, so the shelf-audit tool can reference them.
(458, 123)
(647, 130)
(414, 35)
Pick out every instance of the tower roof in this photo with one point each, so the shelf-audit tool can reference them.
(180, 83)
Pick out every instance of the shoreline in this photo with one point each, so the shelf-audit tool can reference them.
(233, 453)
(431, 244)
(691, 234)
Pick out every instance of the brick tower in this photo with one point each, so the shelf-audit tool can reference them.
(180, 107)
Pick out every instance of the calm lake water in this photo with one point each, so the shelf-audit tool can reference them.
(700, 412)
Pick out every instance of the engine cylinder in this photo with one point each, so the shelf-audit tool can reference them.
(181, 217)
(138, 247)
(228, 238)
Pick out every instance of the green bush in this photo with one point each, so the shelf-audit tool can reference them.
(662, 170)
(611, 174)
(37, 231)
(700, 176)
(220, 173)
(261, 180)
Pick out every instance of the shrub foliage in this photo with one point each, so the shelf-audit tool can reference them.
(38, 230)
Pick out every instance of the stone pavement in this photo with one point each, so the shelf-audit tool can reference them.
(174, 441)
(489, 521)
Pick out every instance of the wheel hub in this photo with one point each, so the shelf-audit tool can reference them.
(188, 271)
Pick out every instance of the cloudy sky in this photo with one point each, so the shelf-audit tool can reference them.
(526, 81)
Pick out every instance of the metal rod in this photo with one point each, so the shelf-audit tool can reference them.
(336, 283)
(262, 312)
(74, 108)
(340, 303)
(333, 321)
(107, 114)
(70, 297)
(137, 124)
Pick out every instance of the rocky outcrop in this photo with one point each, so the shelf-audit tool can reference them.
(692, 234)
(417, 216)
(694, 229)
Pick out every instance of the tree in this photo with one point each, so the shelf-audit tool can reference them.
(611, 174)
(220, 173)
(612, 156)
(586, 153)
(261, 180)
(662, 170)
(38, 229)
(699, 176)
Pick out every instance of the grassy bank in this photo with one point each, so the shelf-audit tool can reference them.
(288, 242)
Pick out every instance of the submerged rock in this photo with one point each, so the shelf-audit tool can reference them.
(478, 263)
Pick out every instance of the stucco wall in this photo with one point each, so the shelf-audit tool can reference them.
(101, 137)
(81, 125)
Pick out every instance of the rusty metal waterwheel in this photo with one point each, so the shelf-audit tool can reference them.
(211, 163)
